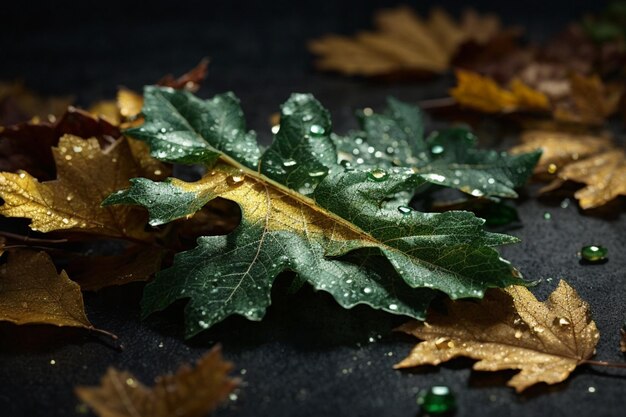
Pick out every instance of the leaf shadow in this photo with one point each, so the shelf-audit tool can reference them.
(41, 338)
(610, 211)
(307, 320)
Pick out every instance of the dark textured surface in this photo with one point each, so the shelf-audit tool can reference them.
(308, 357)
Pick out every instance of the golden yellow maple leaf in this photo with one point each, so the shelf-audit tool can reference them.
(33, 293)
(404, 43)
(484, 94)
(588, 159)
(86, 175)
(510, 329)
(188, 393)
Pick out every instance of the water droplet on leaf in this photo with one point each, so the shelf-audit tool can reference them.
(317, 130)
(377, 175)
(235, 180)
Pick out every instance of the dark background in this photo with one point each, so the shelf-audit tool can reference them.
(309, 357)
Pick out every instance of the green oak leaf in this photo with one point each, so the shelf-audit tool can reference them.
(448, 158)
(181, 128)
(340, 237)
(302, 153)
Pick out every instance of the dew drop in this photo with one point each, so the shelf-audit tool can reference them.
(377, 175)
(562, 321)
(235, 180)
(405, 210)
(317, 130)
(552, 168)
(393, 307)
(442, 343)
(317, 173)
(289, 162)
(367, 290)
(437, 150)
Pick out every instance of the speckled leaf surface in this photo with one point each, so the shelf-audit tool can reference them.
(342, 238)
(449, 158)
(184, 129)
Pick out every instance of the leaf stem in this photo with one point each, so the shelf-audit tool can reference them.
(606, 364)
(31, 239)
(437, 103)
(104, 332)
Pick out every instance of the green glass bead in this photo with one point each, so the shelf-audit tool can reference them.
(594, 253)
(437, 400)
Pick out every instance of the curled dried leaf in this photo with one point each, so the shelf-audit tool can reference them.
(588, 159)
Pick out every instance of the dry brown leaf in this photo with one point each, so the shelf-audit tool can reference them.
(86, 176)
(93, 273)
(28, 146)
(191, 80)
(510, 329)
(31, 292)
(189, 393)
(404, 43)
(589, 101)
(483, 93)
(587, 159)
(129, 103)
(18, 104)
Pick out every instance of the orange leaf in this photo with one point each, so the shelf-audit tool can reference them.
(483, 93)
